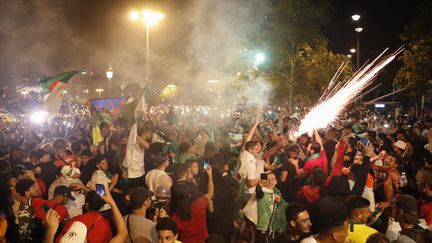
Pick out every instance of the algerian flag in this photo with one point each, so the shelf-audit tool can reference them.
(50, 84)
(53, 89)
(135, 107)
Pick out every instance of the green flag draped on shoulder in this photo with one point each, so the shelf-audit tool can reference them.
(52, 83)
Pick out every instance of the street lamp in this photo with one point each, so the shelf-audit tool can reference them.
(358, 29)
(99, 91)
(355, 17)
(352, 50)
(109, 75)
(259, 58)
(149, 18)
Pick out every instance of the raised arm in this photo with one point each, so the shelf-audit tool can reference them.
(210, 187)
(318, 138)
(273, 150)
(253, 128)
(361, 180)
(338, 165)
(120, 224)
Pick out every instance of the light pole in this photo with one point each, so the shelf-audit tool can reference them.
(149, 18)
(109, 75)
(356, 19)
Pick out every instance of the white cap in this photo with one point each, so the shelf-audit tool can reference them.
(400, 144)
(76, 234)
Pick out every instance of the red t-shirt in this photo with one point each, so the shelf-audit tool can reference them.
(426, 211)
(98, 227)
(37, 203)
(195, 229)
(321, 161)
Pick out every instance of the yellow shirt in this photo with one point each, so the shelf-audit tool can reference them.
(358, 233)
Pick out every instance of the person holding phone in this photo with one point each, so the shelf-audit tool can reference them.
(271, 221)
(190, 216)
(102, 176)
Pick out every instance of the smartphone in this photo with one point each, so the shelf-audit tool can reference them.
(100, 189)
(45, 207)
(364, 140)
(263, 176)
(206, 164)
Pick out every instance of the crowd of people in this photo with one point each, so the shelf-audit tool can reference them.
(246, 178)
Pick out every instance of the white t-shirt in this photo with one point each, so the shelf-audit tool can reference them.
(134, 159)
(75, 208)
(310, 239)
(156, 178)
(254, 172)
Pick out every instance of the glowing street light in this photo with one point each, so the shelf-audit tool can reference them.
(356, 17)
(259, 58)
(109, 73)
(352, 50)
(358, 29)
(150, 18)
(349, 55)
(134, 15)
(99, 91)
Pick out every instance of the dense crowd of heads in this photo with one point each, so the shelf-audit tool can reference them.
(187, 176)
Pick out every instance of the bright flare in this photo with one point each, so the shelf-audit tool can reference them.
(38, 117)
(151, 18)
(134, 15)
(336, 101)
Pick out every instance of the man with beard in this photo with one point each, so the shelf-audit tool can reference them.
(299, 224)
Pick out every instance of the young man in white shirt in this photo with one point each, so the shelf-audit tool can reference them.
(139, 140)
(158, 177)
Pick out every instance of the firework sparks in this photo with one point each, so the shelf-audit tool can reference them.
(335, 100)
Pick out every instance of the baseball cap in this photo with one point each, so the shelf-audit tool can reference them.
(139, 195)
(64, 191)
(77, 232)
(163, 191)
(400, 144)
(408, 205)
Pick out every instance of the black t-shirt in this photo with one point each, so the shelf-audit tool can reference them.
(290, 187)
(286, 237)
(87, 171)
(48, 173)
(329, 147)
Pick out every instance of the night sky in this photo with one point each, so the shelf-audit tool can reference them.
(382, 21)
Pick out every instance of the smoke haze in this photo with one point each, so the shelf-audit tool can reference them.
(188, 48)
